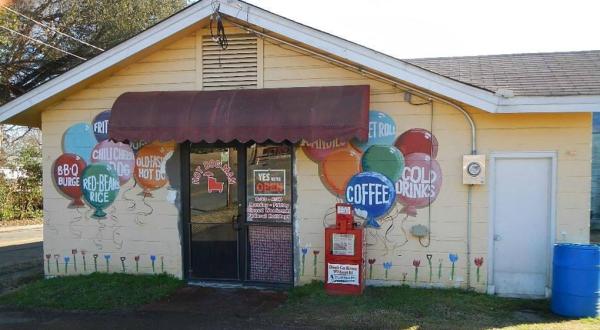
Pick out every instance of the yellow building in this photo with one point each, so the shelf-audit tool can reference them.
(236, 156)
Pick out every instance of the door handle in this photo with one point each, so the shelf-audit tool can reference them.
(234, 222)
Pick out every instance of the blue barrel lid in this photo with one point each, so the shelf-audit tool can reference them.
(578, 246)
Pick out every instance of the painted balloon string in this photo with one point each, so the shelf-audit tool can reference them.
(140, 215)
(115, 233)
(385, 239)
(98, 237)
(330, 211)
(77, 218)
(48, 223)
(132, 203)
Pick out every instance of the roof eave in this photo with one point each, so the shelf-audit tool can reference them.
(348, 51)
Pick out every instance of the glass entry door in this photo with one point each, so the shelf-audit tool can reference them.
(214, 212)
(240, 212)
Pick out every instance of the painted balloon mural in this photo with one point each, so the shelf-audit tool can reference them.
(372, 194)
(66, 173)
(100, 125)
(337, 168)
(79, 139)
(150, 166)
(420, 183)
(100, 185)
(407, 160)
(382, 131)
(318, 150)
(118, 155)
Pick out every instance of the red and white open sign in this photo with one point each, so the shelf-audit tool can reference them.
(269, 182)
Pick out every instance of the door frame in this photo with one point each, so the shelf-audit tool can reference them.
(552, 155)
(185, 148)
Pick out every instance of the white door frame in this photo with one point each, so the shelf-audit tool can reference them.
(491, 210)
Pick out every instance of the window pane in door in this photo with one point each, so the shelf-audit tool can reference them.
(269, 183)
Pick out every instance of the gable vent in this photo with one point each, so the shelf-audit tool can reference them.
(232, 68)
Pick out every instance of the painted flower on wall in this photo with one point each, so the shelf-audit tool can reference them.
(153, 259)
(429, 257)
(74, 253)
(66, 258)
(304, 251)
(107, 258)
(387, 266)
(123, 264)
(48, 256)
(83, 252)
(56, 256)
(315, 256)
(371, 262)
(416, 263)
(95, 262)
(453, 259)
(478, 263)
(137, 263)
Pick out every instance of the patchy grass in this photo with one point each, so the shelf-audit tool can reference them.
(404, 307)
(97, 291)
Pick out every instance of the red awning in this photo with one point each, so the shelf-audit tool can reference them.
(292, 114)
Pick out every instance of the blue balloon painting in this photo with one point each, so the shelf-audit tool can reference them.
(79, 139)
(382, 131)
(372, 195)
(100, 125)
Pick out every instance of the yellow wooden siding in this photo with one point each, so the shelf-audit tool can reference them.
(178, 66)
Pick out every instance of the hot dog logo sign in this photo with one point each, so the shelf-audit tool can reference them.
(206, 169)
(385, 170)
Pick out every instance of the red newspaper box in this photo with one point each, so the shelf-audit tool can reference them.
(344, 254)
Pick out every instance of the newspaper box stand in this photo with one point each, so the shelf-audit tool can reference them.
(344, 254)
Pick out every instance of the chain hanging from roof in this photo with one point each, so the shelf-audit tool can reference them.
(219, 35)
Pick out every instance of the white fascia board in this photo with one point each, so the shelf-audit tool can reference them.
(550, 104)
(96, 65)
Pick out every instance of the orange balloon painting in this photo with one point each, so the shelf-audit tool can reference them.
(150, 166)
(337, 168)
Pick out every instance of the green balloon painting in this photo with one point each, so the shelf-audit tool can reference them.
(100, 185)
(384, 159)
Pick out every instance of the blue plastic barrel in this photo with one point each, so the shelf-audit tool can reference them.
(576, 280)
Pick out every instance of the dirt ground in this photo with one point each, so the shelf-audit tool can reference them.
(189, 308)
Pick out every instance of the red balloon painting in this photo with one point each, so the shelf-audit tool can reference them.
(420, 183)
(319, 149)
(417, 140)
(67, 171)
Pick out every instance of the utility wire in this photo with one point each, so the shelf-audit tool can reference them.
(50, 28)
(41, 42)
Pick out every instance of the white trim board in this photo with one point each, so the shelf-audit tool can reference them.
(552, 155)
(351, 52)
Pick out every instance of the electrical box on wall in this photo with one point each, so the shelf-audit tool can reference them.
(473, 169)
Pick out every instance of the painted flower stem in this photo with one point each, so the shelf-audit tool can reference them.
(66, 264)
(107, 258)
(371, 262)
(404, 278)
(453, 258)
(48, 256)
(304, 251)
(153, 259)
(95, 262)
(162, 264)
(74, 252)
(123, 264)
(84, 263)
(137, 263)
(440, 269)
(478, 263)
(315, 257)
(56, 256)
(429, 256)
(416, 263)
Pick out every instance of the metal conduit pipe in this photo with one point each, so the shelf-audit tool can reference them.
(398, 84)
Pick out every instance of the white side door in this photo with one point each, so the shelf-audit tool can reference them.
(521, 223)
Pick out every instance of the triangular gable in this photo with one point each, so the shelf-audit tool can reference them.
(19, 110)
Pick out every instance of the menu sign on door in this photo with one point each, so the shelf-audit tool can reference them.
(269, 202)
